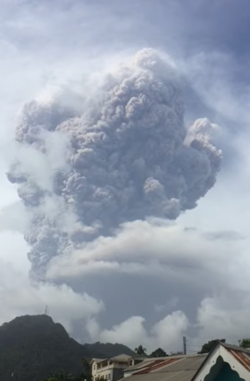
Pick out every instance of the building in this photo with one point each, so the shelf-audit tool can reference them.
(111, 369)
(137, 359)
(224, 363)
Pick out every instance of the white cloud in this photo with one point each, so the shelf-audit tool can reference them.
(187, 261)
(13, 250)
(225, 315)
(139, 244)
(19, 296)
(167, 333)
(130, 332)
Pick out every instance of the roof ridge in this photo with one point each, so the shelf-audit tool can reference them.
(235, 347)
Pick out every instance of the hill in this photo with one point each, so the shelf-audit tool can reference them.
(33, 347)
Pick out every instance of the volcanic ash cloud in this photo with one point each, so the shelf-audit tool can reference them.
(126, 156)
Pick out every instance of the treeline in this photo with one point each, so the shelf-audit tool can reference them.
(206, 348)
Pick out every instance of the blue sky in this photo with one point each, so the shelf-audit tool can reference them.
(45, 44)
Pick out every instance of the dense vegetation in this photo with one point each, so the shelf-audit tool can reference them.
(34, 347)
(210, 345)
(245, 343)
(158, 353)
(141, 351)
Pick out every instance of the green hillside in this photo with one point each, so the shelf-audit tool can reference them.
(33, 347)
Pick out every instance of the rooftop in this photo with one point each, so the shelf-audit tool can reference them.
(121, 358)
(96, 360)
(172, 368)
(240, 354)
(118, 358)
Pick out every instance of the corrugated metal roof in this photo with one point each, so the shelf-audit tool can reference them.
(155, 365)
(185, 364)
(242, 357)
(165, 376)
(139, 365)
(229, 346)
(175, 368)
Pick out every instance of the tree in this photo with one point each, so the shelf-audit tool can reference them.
(210, 345)
(86, 373)
(65, 376)
(159, 353)
(61, 376)
(140, 350)
(245, 343)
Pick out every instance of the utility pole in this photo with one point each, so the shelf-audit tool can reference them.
(184, 345)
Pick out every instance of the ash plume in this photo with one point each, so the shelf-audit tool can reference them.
(126, 156)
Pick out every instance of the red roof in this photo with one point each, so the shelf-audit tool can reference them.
(156, 364)
(243, 358)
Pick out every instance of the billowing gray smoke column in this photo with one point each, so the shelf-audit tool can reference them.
(126, 157)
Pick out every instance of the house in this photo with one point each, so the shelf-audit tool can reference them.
(110, 369)
(137, 359)
(224, 363)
